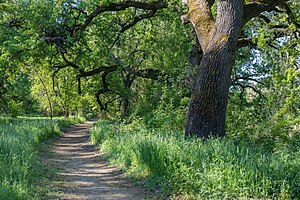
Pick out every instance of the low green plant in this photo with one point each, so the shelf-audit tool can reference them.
(19, 162)
(215, 168)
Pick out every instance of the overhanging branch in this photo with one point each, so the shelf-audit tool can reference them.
(119, 6)
(146, 73)
(254, 9)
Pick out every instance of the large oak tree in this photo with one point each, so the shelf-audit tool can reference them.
(218, 37)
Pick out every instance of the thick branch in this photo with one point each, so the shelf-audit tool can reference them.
(202, 20)
(102, 91)
(119, 6)
(256, 7)
(252, 10)
(228, 23)
(146, 73)
(105, 69)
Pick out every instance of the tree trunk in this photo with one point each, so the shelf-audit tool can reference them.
(125, 109)
(218, 38)
(207, 110)
(47, 95)
(127, 81)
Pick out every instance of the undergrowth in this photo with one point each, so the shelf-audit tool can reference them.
(19, 163)
(216, 168)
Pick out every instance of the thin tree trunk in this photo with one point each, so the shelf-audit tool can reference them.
(48, 97)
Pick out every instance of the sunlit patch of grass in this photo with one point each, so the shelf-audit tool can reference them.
(216, 168)
(19, 163)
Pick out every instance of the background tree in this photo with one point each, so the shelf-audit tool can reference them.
(101, 57)
(15, 86)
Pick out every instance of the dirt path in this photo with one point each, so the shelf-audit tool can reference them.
(84, 173)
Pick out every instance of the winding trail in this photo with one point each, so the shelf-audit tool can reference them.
(84, 173)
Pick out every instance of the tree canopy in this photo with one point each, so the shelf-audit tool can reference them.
(136, 59)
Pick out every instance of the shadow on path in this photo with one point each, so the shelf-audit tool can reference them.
(84, 172)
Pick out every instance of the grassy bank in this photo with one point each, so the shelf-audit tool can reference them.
(212, 169)
(19, 164)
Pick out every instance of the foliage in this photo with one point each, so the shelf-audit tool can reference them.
(143, 83)
(16, 97)
(26, 84)
(19, 164)
(264, 103)
(215, 168)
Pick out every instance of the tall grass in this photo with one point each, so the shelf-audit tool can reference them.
(19, 139)
(216, 168)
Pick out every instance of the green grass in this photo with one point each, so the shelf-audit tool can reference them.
(19, 162)
(216, 168)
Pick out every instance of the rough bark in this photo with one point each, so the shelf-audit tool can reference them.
(207, 110)
(218, 38)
